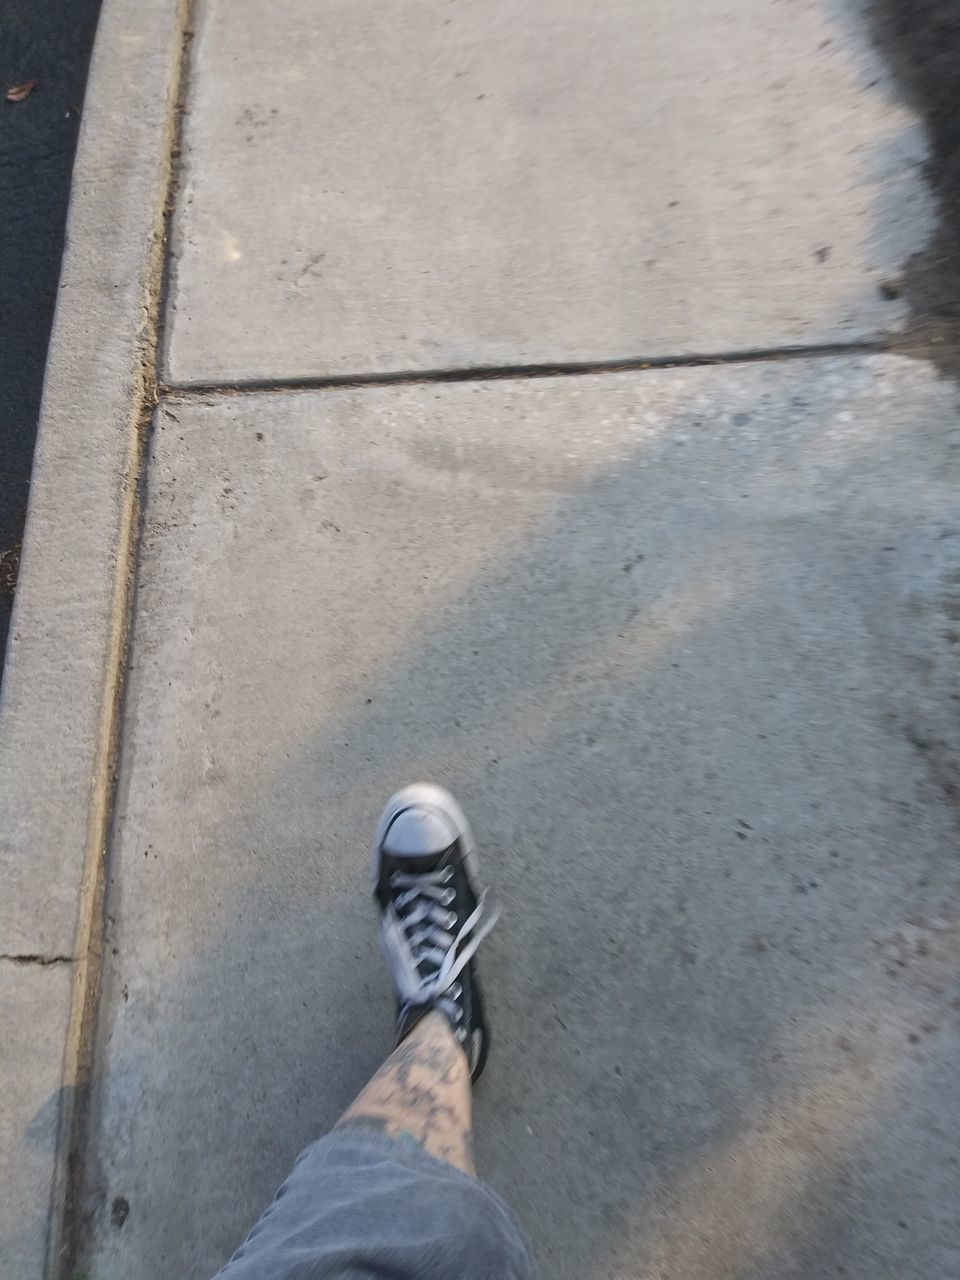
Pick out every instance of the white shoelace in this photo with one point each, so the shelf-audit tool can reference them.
(421, 933)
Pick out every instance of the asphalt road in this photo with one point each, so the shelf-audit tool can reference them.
(48, 42)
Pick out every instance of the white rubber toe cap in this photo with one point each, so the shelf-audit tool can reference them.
(418, 832)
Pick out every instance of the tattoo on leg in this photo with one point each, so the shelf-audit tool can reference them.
(422, 1093)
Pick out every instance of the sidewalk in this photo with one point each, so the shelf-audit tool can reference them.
(529, 417)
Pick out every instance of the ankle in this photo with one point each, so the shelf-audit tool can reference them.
(433, 1028)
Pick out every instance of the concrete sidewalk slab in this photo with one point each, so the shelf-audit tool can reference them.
(35, 1002)
(682, 642)
(372, 187)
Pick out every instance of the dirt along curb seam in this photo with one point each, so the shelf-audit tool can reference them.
(64, 676)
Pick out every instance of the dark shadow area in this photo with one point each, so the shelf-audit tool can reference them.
(49, 43)
(920, 40)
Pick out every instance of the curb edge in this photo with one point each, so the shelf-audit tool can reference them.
(63, 681)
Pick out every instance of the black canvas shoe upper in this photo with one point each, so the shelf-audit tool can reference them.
(432, 915)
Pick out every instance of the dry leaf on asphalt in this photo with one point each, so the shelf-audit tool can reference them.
(17, 92)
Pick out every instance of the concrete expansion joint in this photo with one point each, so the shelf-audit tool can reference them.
(491, 373)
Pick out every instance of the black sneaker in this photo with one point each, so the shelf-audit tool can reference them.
(433, 915)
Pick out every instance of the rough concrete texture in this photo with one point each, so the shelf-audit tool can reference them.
(59, 656)
(35, 1000)
(683, 642)
(372, 187)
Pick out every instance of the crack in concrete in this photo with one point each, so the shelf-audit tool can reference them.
(487, 373)
(43, 961)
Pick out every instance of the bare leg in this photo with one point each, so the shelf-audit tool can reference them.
(422, 1092)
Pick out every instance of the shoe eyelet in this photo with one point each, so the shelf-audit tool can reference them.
(451, 919)
(456, 991)
(447, 874)
(448, 896)
(461, 1033)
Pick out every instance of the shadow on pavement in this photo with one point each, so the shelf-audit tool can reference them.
(695, 792)
(920, 42)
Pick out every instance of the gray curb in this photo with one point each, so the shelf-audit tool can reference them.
(63, 676)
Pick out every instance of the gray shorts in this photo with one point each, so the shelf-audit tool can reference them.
(358, 1205)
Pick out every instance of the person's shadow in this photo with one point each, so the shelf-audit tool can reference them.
(653, 660)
